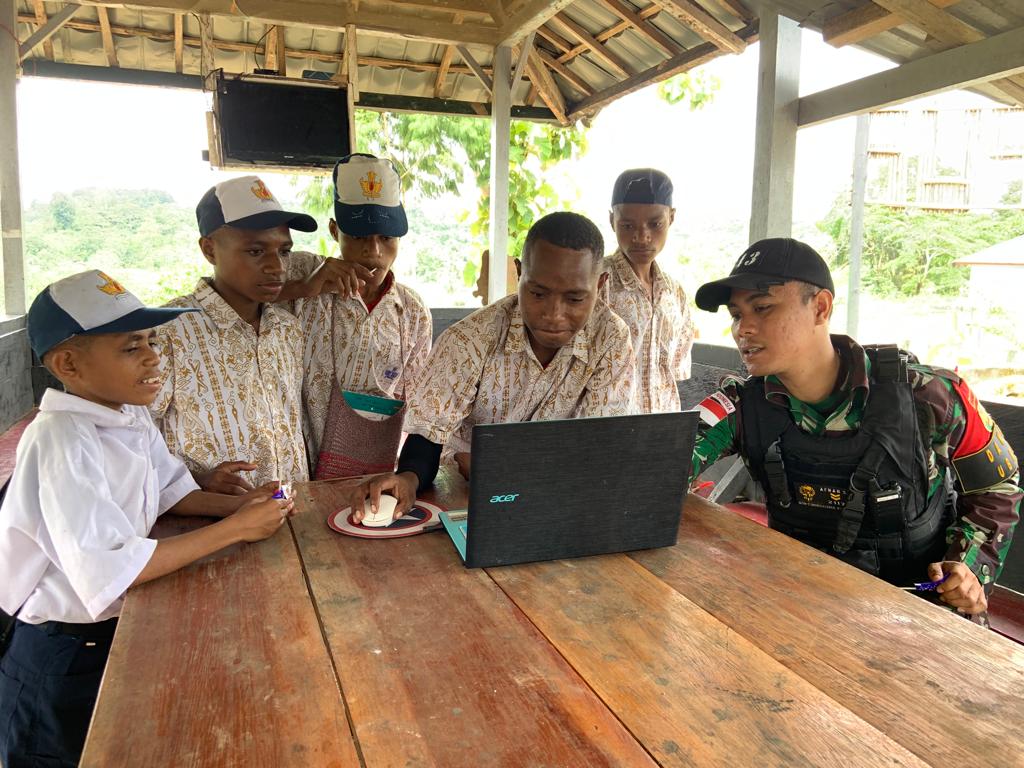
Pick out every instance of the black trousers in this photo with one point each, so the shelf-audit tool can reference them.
(48, 685)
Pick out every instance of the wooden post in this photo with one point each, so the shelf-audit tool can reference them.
(501, 129)
(860, 177)
(10, 187)
(771, 210)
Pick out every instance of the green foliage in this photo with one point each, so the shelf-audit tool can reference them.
(910, 252)
(695, 89)
(141, 237)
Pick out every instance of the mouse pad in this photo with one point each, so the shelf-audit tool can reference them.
(424, 516)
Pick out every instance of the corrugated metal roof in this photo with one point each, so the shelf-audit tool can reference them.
(395, 66)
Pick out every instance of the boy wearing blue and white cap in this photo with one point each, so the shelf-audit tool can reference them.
(377, 340)
(231, 402)
(92, 475)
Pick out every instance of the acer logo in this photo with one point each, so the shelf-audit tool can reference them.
(503, 499)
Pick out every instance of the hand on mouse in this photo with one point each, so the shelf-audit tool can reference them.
(402, 487)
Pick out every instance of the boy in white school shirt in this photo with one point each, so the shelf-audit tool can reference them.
(92, 475)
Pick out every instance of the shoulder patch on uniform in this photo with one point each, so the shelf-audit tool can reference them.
(715, 407)
(995, 463)
(979, 425)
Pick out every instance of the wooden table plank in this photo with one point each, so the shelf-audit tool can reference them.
(692, 690)
(221, 664)
(948, 690)
(437, 666)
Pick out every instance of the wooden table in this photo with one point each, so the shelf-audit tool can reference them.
(736, 647)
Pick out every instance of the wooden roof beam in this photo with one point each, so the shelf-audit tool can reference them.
(351, 62)
(950, 32)
(274, 56)
(446, 62)
(517, 72)
(607, 34)
(548, 89)
(108, 38)
(179, 42)
(864, 22)
(555, 39)
(648, 31)
(524, 16)
(617, 65)
(984, 61)
(571, 77)
(48, 30)
(703, 23)
(474, 65)
(327, 14)
(39, 8)
(686, 60)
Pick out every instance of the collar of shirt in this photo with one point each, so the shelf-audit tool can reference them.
(223, 314)
(624, 271)
(517, 341)
(56, 401)
(850, 396)
(389, 292)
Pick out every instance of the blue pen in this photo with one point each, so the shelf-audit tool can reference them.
(926, 586)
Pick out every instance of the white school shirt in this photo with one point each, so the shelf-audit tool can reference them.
(88, 484)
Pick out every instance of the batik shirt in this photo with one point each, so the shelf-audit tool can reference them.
(484, 371)
(379, 350)
(981, 533)
(230, 394)
(662, 331)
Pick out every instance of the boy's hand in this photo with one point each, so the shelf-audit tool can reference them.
(260, 517)
(961, 589)
(402, 487)
(224, 478)
(344, 278)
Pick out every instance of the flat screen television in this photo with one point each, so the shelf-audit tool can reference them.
(280, 124)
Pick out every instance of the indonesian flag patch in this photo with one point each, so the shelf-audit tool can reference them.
(715, 407)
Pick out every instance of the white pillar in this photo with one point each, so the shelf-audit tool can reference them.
(771, 210)
(860, 177)
(10, 186)
(501, 119)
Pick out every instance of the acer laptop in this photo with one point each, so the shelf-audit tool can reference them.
(547, 490)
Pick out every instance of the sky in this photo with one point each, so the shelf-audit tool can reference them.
(145, 137)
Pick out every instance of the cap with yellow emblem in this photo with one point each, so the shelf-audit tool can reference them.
(368, 197)
(246, 203)
(89, 303)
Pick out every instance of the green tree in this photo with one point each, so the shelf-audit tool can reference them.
(63, 211)
(908, 252)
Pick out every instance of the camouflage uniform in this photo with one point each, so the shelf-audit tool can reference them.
(981, 532)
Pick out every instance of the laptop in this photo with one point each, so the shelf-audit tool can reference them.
(548, 490)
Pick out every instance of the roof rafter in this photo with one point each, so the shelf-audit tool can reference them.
(616, 63)
(703, 23)
(324, 14)
(649, 31)
(179, 42)
(40, 11)
(864, 22)
(524, 16)
(48, 30)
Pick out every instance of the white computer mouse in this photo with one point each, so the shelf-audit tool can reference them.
(385, 511)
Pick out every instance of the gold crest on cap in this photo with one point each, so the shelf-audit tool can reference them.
(371, 185)
(110, 286)
(260, 190)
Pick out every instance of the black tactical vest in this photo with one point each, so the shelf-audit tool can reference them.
(862, 497)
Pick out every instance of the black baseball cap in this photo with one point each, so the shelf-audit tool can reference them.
(642, 185)
(774, 261)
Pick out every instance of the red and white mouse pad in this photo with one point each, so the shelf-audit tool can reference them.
(424, 516)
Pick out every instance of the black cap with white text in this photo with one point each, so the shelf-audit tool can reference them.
(774, 261)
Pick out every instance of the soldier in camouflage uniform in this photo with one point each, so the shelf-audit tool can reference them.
(893, 466)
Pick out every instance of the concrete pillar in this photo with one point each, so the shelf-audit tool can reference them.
(860, 177)
(771, 210)
(10, 185)
(501, 120)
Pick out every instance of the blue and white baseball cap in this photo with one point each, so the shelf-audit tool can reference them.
(89, 303)
(368, 197)
(246, 203)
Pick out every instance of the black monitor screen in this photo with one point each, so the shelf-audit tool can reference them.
(285, 125)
